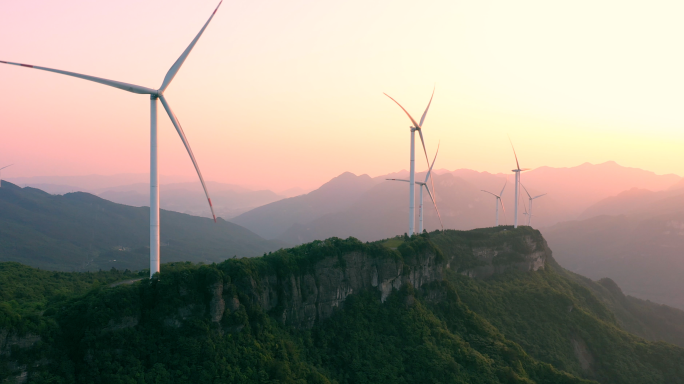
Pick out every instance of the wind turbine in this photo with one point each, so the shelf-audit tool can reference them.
(498, 201)
(154, 95)
(424, 184)
(415, 127)
(517, 184)
(1, 170)
(529, 212)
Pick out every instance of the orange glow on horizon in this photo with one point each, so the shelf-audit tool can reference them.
(284, 95)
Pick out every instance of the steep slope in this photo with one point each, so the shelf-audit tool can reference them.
(271, 220)
(79, 231)
(401, 310)
(642, 253)
(652, 321)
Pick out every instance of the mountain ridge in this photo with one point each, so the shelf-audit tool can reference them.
(565, 201)
(80, 231)
(212, 322)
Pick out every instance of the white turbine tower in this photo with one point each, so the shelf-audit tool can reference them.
(154, 95)
(424, 184)
(416, 127)
(1, 172)
(517, 185)
(498, 202)
(529, 212)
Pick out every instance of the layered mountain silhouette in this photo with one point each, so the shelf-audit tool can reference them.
(272, 220)
(176, 195)
(636, 238)
(373, 208)
(79, 231)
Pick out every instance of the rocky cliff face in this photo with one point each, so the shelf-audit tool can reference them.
(500, 258)
(481, 253)
(299, 300)
(11, 340)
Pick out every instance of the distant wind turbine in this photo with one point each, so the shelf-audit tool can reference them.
(498, 201)
(517, 184)
(529, 211)
(154, 95)
(416, 127)
(1, 172)
(424, 184)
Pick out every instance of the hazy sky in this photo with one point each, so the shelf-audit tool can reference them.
(289, 93)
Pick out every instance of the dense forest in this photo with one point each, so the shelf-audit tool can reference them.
(209, 323)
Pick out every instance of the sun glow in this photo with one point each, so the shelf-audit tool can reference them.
(285, 94)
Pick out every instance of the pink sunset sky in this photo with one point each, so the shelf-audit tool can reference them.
(289, 94)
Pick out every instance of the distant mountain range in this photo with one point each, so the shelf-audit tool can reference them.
(636, 238)
(636, 249)
(176, 194)
(272, 220)
(373, 208)
(79, 231)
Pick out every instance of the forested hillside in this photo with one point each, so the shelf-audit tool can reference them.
(340, 311)
(79, 231)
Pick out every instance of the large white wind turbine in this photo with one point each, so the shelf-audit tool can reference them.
(154, 95)
(517, 184)
(1, 172)
(416, 127)
(420, 201)
(529, 212)
(498, 201)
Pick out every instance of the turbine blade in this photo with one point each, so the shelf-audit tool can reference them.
(514, 154)
(538, 196)
(6, 166)
(422, 119)
(420, 133)
(176, 124)
(433, 163)
(415, 125)
(432, 180)
(497, 196)
(504, 187)
(116, 84)
(525, 169)
(434, 203)
(408, 181)
(176, 66)
(528, 194)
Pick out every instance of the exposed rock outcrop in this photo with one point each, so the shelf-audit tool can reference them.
(217, 305)
(299, 300)
(525, 253)
(10, 340)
